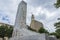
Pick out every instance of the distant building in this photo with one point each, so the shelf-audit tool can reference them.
(4, 24)
(35, 24)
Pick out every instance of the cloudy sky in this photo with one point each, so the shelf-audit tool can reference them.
(43, 10)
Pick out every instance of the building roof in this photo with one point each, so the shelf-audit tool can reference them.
(5, 24)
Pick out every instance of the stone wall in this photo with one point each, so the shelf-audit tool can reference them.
(35, 37)
(5, 38)
(58, 39)
(52, 37)
(1, 39)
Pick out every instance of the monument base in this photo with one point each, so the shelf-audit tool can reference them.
(25, 34)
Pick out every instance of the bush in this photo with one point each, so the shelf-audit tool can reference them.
(6, 31)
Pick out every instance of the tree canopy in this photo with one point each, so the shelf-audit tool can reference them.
(57, 25)
(57, 4)
(6, 31)
(42, 30)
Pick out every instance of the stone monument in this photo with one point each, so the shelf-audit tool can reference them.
(21, 15)
(20, 30)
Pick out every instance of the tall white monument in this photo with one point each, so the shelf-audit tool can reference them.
(20, 20)
(20, 31)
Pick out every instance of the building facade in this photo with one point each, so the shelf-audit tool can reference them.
(35, 24)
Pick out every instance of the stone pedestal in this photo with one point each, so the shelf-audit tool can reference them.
(52, 37)
(5, 38)
(35, 37)
(25, 34)
(1, 38)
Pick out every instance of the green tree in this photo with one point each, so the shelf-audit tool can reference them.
(42, 30)
(2, 31)
(9, 31)
(57, 4)
(57, 25)
(53, 33)
(6, 31)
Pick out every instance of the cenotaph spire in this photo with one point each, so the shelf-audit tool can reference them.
(20, 20)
